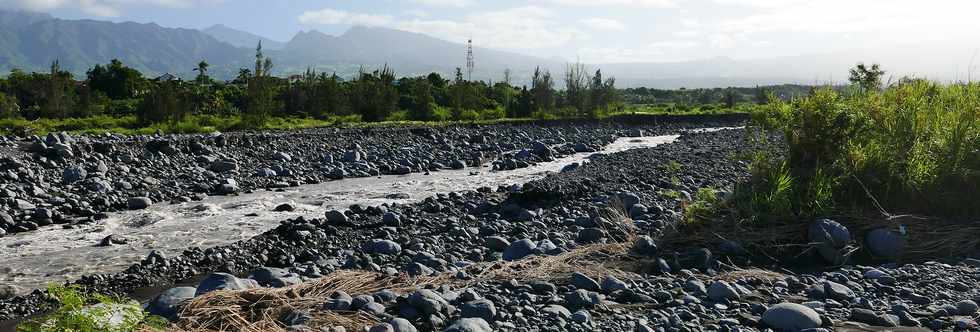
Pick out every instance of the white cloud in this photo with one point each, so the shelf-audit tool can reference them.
(666, 50)
(608, 3)
(846, 16)
(606, 24)
(417, 13)
(102, 8)
(527, 27)
(333, 16)
(445, 3)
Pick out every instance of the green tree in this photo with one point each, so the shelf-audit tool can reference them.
(542, 91)
(731, 98)
(503, 94)
(373, 95)
(525, 104)
(8, 107)
(261, 95)
(91, 102)
(761, 95)
(116, 81)
(417, 98)
(576, 88)
(599, 95)
(868, 78)
(60, 97)
(167, 103)
(202, 73)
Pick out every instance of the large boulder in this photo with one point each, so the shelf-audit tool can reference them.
(223, 281)
(138, 203)
(831, 239)
(722, 290)
(427, 301)
(791, 317)
(469, 325)
(382, 247)
(336, 217)
(167, 303)
(73, 174)
(402, 325)
(481, 308)
(224, 166)
(886, 243)
(519, 249)
(274, 277)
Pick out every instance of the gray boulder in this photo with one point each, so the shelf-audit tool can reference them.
(722, 290)
(221, 166)
(167, 303)
(611, 284)
(645, 246)
(590, 235)
(73, 174)
(481, 308)
(886, 243)
(469, 325)
(831, 239)
(138, 203)
(581, 281)
(791, 317)
(382, 247)
(336, 217)
(427, 301)
(519, 249)
(497, 243)
(402, 325)
(223, 281)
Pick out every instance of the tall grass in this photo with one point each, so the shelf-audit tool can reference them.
(912, 148)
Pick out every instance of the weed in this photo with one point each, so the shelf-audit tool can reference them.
(82, 312)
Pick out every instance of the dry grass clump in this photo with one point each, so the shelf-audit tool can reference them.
(259, 309)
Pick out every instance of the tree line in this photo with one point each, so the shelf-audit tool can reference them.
(255, 95)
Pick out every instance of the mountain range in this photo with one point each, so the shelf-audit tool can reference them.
(31, 41)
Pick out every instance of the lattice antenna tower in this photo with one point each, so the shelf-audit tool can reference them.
(470, 63)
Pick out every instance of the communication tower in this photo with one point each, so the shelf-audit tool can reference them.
(470, 63)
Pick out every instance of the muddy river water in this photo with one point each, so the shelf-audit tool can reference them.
(34, 259)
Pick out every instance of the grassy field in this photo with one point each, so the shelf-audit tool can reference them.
(130, 125)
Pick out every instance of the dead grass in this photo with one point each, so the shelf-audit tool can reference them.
(259, 309)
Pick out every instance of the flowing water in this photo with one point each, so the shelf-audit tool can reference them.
(31, 260)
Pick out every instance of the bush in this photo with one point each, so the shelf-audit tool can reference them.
(493, 113)
(911, 148)
(469, 115)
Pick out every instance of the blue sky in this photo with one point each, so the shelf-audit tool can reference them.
(597, 31)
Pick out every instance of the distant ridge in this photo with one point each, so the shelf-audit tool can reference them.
(239, 38)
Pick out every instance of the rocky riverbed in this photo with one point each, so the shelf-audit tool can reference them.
(455, 234)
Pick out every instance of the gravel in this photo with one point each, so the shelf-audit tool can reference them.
(676, 289)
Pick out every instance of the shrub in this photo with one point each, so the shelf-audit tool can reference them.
(911, 148)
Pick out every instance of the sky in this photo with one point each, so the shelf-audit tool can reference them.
(593, 31)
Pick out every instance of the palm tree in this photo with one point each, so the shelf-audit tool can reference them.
(202, 72)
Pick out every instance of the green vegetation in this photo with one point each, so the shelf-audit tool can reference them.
(675, 109)
(703, 205)
(81, 312)
(114, 97)
(911, 148)
(691, 98)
